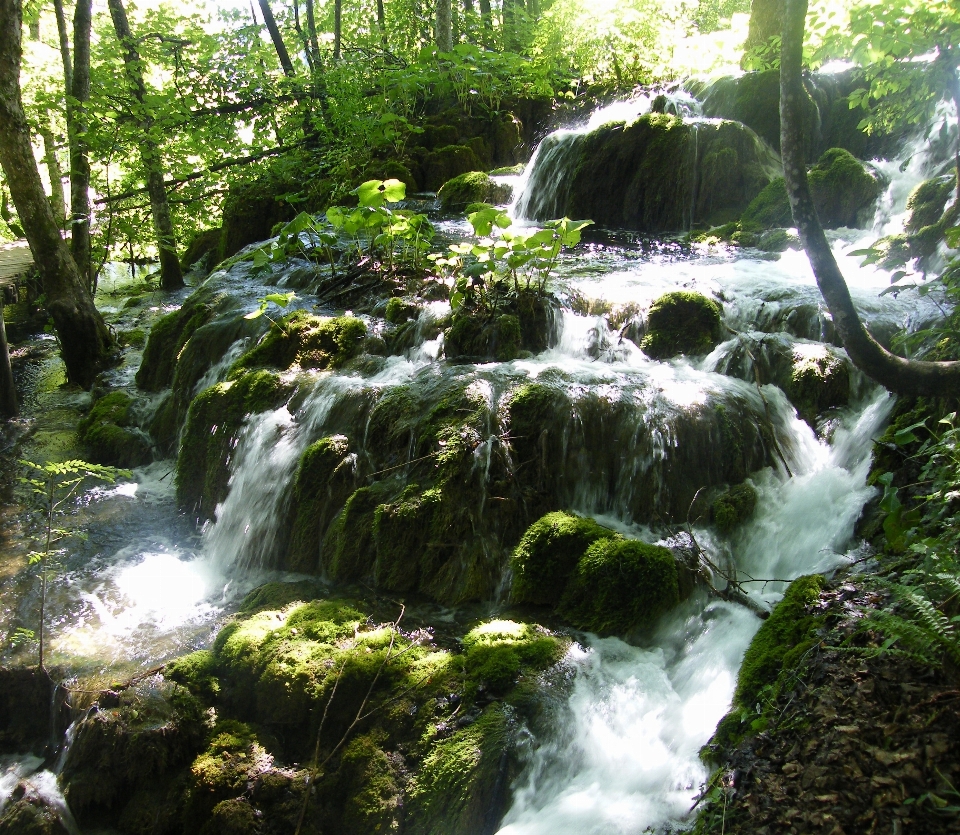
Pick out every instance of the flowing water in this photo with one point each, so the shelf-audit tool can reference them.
(621, 752)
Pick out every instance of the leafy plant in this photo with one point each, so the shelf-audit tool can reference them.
(281, 300)
(52, 485)
(525, 260)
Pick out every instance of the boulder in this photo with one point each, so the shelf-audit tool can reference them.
(110, 434)
(445, 163)
(473, 187)
(657, 174)
(682, 322)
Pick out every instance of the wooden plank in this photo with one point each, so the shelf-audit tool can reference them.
(15, 259)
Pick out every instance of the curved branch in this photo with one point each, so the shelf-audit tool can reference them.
(899, 375)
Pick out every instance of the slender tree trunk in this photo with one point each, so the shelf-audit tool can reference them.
(337, 29)
(766, 17)
(171, 277)
(85, 343)
(77, 124)
(271, 23)
(8, 391)
(312, 31)
(382, 24)
(936, 379)
(469, 20)
(444, 26)
(486, 22)
(64, 44)
(54, 172)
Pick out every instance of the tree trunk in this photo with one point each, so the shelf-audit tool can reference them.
(79, 86)
(382, 24)
(171, 278)
(312, 32)
(64, 44)
(913, 377)
(8, 391)
(278, 44)
(337, 29)
(486, 22)
(444, 26)
(54, 172)
(85, 343)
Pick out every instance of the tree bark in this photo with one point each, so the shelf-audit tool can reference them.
(85, 342)
(171, 277)
(486, 22)
(337, 29)
(901, 376)
(382, 24)
(444, 26)
(271, 23)
(312, 30)
(78, 88)
(766, 17)
(64, 44)
(54, 172)
(8, 391)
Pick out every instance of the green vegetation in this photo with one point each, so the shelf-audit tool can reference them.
(458, 194)
(682, 322)
(110, 434)
(733, 507)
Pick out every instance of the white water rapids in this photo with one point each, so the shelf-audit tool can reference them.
(622, 755)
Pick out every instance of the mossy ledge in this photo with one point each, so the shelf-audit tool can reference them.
(682, 322)
(110, 435)
(224, 743)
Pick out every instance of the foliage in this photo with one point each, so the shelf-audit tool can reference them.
(53, 485)
(503, 254)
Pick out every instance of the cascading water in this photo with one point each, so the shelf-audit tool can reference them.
(620, 751)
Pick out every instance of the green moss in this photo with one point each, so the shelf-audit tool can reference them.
(372, 788)
(307, 340)
(927, 203)
(197, 672)
(458, 193)
(534, 410)
(789, 625)
(459, 788)
(682, 322)
(733, 507)
(619, 585)
(841, 188)
(770, 209)
(168, 337)
(820, 380)
(214, 420)
(508, 338)
(323, 481)
(498, 651)
(443, 164)
(135, 338)
(232, 817)
(349, 549)
(109, 434)
(548, 554)
(403, 533)
(399, 311)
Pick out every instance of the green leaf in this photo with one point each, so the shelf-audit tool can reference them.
(394, 190)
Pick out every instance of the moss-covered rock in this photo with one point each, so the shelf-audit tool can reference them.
(198, 673)
(309, 341)
(682, 322)
(927, 202)
(214, 421)
(445, 163)
(325, 477)
(372, 788)
(202, 251)
(167, 338)
(842, 190)
(110, 435)
(620, 585)
(462, 786)
(118, 749)
(776, 649)
(473, 187)
(525, 322)
(657, 174)
(30, 815)
(25, 694)
(252, 209)
(819, 380)
(548, 554)
(499, 651)
(733, 506)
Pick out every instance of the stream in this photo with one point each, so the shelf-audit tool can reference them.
(621, 755)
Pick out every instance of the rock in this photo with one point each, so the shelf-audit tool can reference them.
(733, 506)
(472, 187)
(843, 191)
(527, 322)
(202, 251)
(214, 420)
(548, 554)
(445, 163)
(927, 202)
(30, 814)
(682, 322)
(620, 585)
(658, 174)
(250, 212)
(305, 340)
(110, 434)
(394, 169)
(24, 708)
